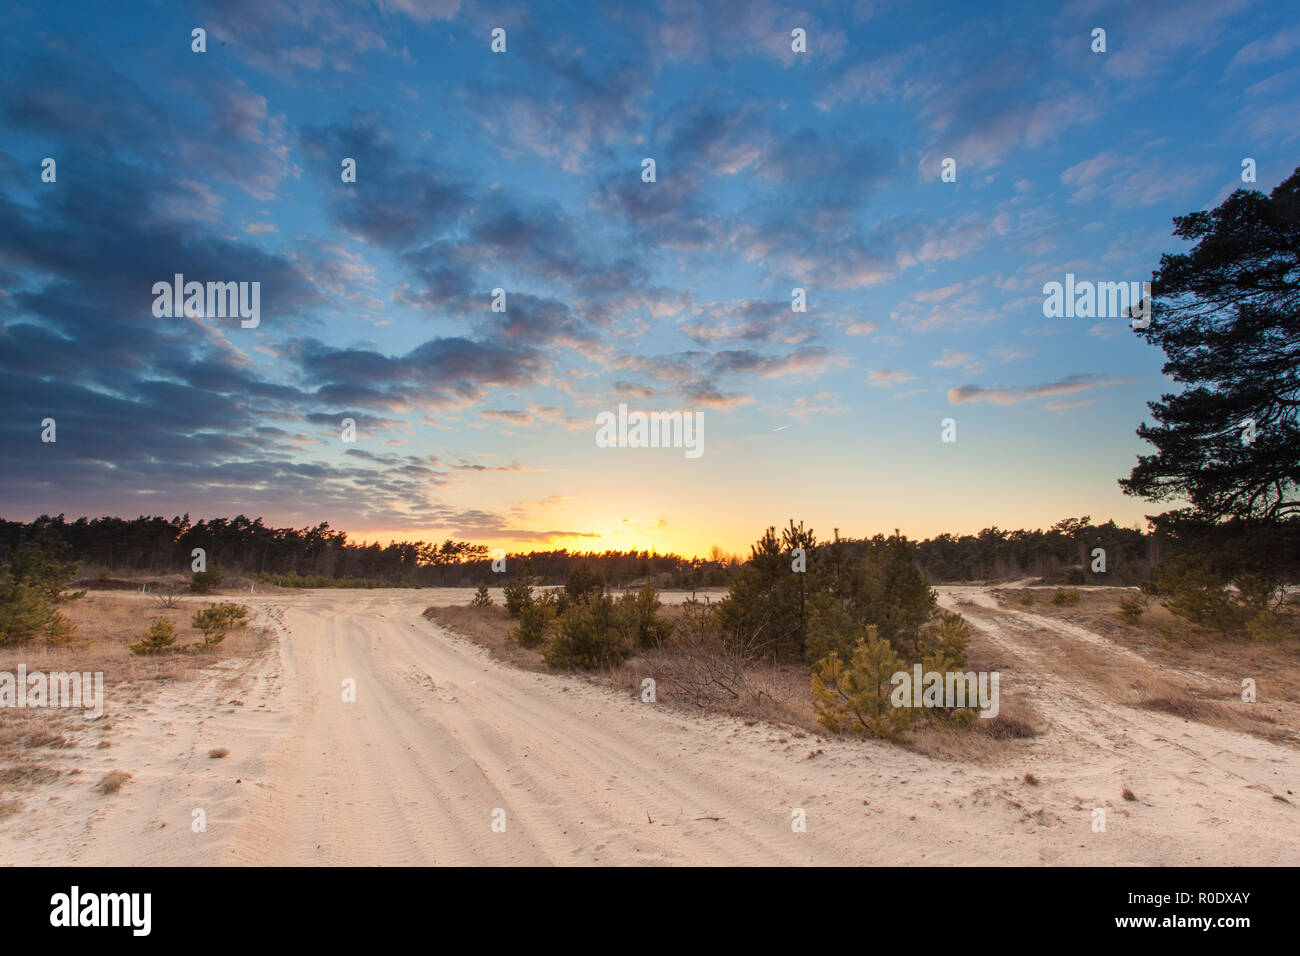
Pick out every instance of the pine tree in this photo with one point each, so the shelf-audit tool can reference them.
(158, 639)
(1226, 313)
(855, 697)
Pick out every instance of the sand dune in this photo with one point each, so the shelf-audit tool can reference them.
(440, 737)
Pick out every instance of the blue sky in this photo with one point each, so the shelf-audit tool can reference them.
(522, 170)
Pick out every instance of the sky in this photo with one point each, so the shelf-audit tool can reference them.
(524, 171)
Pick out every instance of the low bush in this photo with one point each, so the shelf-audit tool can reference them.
(158, 639)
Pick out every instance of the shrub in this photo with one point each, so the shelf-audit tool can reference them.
(1197, 593)
(583, 584)
(559, 598)
(830, 629)
(1132, 607)
(518, 594)
(39, 563)
(1065, 598)
(854, 697)
(157, 640)
(1027, 598)
(535, 619)
(947, 638)
(638, 615)
(217, 620)
(587, 636)
(32, 585)
(112, 781)
(26, 614)
(481, 597)
(1269, 627)
(1259, 590)
(205, 582)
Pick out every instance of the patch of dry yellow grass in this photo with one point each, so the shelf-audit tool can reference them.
(113, 781)
(31, 738)
(1199, 681)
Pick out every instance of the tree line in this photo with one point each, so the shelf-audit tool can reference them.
(318, 556)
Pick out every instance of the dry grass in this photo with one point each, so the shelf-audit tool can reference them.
(112, 781)
(706, 681)
(26, 774)
(488, 627)
(217, 753)
(33, 739)
(697, 680)
(987, 739)
(776, 693)
(1194, 681)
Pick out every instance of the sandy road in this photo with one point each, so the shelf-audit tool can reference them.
(440, 738)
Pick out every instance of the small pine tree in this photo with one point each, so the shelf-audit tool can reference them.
(217, 620)
(158, 639)
(205, 582)
(587, 636)
(1062, 597)
(33, 582)
(1270, 627)
(948, 637)
(583, 584)
(518, 593)
(481, 597)
(854, 697)
(1132, 607)
(638, 616)
(535, 621)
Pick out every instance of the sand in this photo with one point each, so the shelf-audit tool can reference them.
(441, 742)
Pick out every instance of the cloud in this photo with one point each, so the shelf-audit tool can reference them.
(1010, 396)
(885, 378)
(962, 360)
(1267, 48)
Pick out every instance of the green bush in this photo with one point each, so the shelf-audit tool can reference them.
(518, 594)
(831, 627)
(1132, 607)
(588, 636)
(481, 597)
(638, 615)
(1270, 627)
(216, 621)
(1198, 593)
(583, 584)
(33, 583)
(853, 697)
(1063, 597)
(535, 620)
(947, 638)
(158, 639)
(205, 582)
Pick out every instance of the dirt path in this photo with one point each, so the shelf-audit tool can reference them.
(440, 737)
